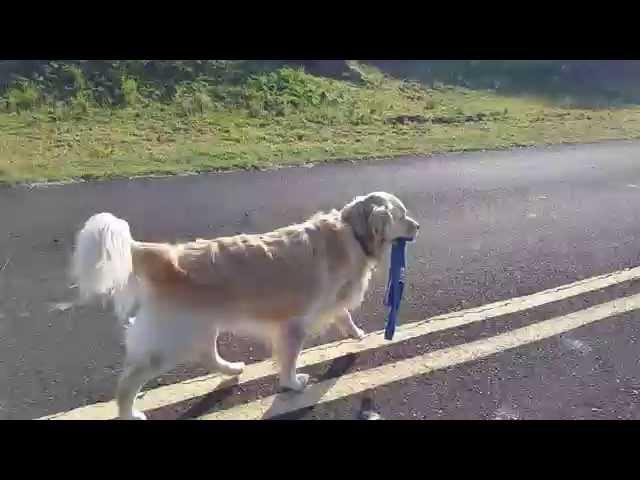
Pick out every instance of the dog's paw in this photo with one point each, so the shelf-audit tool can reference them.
(232, 368)
(301, 381)
(358, 334)
(134, 415)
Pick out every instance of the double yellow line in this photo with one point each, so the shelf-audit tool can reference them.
(354, 383)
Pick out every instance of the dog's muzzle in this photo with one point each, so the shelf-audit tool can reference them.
(414, 227)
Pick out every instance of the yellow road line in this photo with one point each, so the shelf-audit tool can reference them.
(354, 383)
(171, 394)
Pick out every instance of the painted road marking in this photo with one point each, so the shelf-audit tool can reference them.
(351, 384)
(186, 390)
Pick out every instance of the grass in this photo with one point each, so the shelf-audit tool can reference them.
(284, 117)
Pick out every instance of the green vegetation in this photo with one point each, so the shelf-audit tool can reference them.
(90, 119)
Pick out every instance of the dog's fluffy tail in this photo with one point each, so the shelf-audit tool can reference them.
(102, 263)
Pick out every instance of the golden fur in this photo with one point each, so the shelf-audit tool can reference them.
(279, 286)
(269, 277)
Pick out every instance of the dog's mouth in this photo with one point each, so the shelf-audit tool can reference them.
(411, 236)
(406, 239)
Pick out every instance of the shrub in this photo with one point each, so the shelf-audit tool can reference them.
(23, 95)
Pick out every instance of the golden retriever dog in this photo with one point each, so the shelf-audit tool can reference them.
(277, 286)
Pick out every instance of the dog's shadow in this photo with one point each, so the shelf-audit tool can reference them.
(225, 390)
(286, 405)
(295, 406)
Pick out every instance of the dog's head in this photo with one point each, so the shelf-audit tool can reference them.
(378, 219)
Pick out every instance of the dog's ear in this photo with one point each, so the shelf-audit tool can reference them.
(370, 223)
(355, 214)
(379, 224)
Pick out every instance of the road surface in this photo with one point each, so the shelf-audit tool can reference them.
(494, 226)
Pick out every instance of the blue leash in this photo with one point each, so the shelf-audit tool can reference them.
(395, 286)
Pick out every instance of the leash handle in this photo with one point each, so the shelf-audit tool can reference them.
(390, 328)
(395, 286)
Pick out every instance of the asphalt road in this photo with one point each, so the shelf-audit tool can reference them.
(494, 225)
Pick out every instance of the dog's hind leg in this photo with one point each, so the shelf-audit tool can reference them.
(149, 354)
(288, 346)
(348, 327)
(134, 377)
(220, 364)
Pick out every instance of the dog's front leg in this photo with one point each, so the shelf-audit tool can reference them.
(348, 327)
(289, 345)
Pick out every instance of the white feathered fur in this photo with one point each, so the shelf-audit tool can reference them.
(102, 263)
